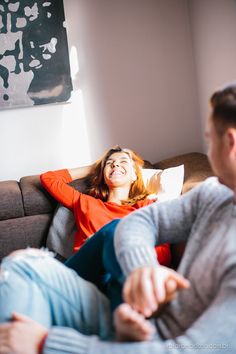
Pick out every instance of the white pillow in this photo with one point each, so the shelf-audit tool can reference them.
(164, 184)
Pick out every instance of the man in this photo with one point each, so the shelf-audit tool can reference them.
(200, 317)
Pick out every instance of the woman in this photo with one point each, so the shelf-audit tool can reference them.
(115, 189)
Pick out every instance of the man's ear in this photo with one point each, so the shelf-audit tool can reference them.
(231, 140)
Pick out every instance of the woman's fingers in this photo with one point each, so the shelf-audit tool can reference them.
(171, 286)
(138, 291)
(147, 299)
(148, 287)
(181, 281)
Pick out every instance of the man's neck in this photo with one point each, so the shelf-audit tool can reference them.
(234, 189)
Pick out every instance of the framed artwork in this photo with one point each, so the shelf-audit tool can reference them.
(34, 58)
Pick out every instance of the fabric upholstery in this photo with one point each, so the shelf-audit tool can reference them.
(11, 205)
(29, 231)
(60, 237)
(61, 234)
(196, 167)
(36, 199)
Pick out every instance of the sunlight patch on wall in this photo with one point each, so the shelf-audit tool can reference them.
(76, 151)
(74, 62)
(75, 137)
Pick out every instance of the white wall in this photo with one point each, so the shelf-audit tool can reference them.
(134, 86)
(214, 32)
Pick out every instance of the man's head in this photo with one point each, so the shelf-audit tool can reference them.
(221, 135)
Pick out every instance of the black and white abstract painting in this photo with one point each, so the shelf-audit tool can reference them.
(34, 58)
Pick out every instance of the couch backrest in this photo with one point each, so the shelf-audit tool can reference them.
(26, 211)
(196, 168)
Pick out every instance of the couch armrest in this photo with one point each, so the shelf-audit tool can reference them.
(36, 199)
(11, 205)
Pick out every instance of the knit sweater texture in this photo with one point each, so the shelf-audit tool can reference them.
(200, 319)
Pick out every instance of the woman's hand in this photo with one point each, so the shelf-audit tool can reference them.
(147, 288)
(81, 172)
(21, 336)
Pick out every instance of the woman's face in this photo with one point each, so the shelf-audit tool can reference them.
(119, 170)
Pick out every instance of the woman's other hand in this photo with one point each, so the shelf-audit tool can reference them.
(147, 288)
(21, 336)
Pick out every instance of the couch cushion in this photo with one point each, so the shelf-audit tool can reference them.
(23, 232)
(36, 199)
(11, 205)
(62, 230)
(61, 233)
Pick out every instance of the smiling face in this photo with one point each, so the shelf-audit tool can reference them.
(119, 170)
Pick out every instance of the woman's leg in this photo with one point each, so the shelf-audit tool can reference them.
(112, 267)
(96, 262)
(50, 293)
(88, 261)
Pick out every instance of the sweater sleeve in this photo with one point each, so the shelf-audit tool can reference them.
(158, 223)
(56, 183)
(207, 334)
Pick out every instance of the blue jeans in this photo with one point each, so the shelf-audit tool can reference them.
(96, 262)
(54, 295)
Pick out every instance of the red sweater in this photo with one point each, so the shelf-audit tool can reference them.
(91, 213)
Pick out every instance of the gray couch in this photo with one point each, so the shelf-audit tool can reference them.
(26, 209)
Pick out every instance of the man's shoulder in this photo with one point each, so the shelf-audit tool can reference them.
(212, 188)
(212, 180)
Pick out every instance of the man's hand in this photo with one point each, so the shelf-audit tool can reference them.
(21, 336)
(147, 288)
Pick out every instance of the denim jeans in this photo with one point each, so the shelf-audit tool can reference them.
(44, 289)
(96, 262)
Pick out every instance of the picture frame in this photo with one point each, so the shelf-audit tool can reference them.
(34, 57)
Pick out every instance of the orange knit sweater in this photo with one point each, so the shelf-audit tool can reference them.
(90, 213)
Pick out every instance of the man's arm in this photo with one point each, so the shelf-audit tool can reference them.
(145, 288)
(213, 331)
(164, 222)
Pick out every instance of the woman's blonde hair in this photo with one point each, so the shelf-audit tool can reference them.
(98, 188)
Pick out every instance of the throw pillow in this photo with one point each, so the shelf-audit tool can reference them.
(61, 233)
(62, 230)
(164, 184)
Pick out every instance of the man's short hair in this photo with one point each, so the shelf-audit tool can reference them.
(223, 104)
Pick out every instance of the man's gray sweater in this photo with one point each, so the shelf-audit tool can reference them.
(201, 319)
